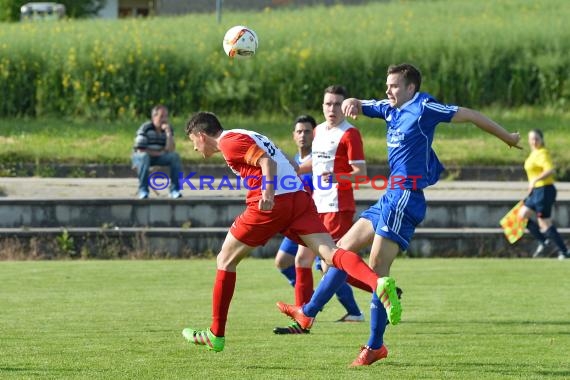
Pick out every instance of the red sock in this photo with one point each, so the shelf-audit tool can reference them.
(303, 285)
(358, 284)
(352, 264)
(222, 296)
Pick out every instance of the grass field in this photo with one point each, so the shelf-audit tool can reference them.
(464, 319)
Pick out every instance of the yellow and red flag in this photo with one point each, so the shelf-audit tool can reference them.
(513, 226)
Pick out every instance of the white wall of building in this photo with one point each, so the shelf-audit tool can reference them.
(111, 9)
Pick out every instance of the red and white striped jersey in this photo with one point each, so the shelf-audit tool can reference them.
(242, 149)
(334, 150)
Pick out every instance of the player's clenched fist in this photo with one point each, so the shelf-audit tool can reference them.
(266, 204)
(350, 107)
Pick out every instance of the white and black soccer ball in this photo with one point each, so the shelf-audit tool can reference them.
(240, 42)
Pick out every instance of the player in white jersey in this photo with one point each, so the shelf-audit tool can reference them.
(337, 151)
(285, 257)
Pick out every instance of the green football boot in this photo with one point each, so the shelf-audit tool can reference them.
(386, 291)
(204, 338)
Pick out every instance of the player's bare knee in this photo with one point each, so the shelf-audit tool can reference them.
(327, 255)
(226, 261)
(525, 213)
(278, 262)
(304, 258)
(544, 224)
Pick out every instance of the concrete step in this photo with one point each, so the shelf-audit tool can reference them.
(186, 242)
(220, 211)
(469, 173)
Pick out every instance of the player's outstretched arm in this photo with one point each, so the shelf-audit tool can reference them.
(351, 107)
(483, 122)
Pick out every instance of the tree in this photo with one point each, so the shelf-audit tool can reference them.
(10, 9)
(82, 8)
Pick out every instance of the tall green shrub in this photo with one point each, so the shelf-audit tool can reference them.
(471, 53)
(10, 10)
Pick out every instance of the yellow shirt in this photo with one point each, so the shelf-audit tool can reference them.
(538, 162)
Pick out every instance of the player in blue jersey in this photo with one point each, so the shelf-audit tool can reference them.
(388, 225)
(285, 257)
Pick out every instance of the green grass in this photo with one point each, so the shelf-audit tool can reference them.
(72, 141)
(463, 319)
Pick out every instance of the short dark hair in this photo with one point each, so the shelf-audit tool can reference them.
(337, 90)
(409, 72)
(157, 108)
(206, 122)
(306, 119)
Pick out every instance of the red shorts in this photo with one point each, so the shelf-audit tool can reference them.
(293, 214)
(337, 223)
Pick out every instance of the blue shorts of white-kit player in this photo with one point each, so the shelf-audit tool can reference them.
(396, 215)
(288, 246)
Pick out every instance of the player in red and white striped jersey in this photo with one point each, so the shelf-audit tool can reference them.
(276, 203)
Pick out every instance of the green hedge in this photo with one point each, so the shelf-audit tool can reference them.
(503, 52)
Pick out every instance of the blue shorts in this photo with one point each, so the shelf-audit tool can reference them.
(396, 215)
(541, 200)
(290, 247)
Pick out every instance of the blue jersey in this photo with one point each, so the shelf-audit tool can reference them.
(410, 131)
(306, 178)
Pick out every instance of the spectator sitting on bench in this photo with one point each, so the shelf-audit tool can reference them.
(154, 146)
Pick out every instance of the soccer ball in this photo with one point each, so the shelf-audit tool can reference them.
(240, 42)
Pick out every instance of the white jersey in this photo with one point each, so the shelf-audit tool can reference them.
(241, 150)
(334, 151)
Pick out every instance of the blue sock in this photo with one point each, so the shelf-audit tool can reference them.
(328, 286)
(346, 298)
(290, 274)
(378, 319)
